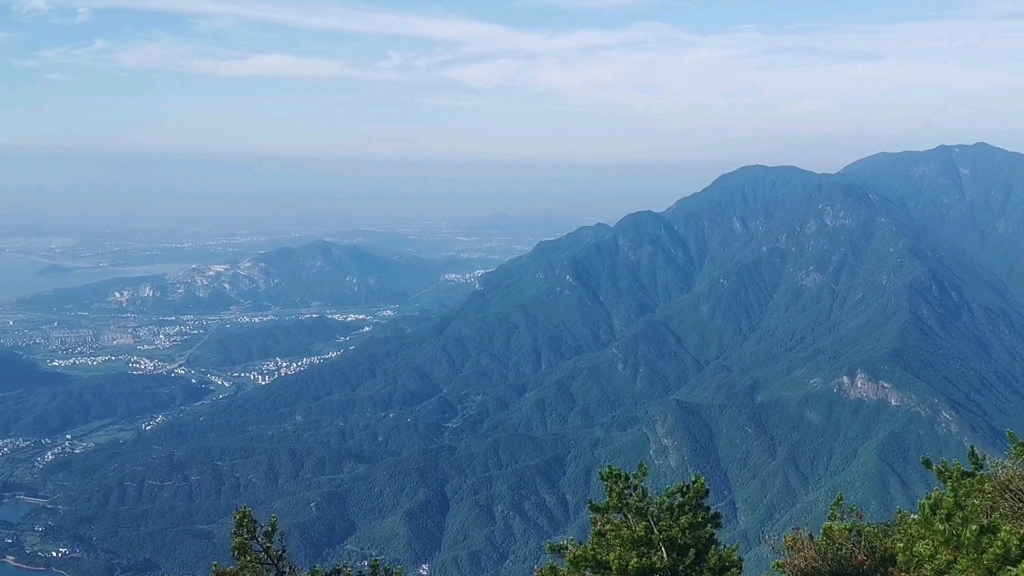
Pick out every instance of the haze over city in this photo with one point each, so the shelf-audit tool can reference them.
(532, 106)
(516, 288)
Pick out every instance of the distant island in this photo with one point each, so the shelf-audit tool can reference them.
(56, 270)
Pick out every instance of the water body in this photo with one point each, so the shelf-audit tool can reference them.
(12, 570)
(19, 276)
(14, 510)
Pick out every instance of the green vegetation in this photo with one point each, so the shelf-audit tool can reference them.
(953, 189)
(972, 525)
(635, 534)
(259, 550)
(848, 545)
(18, 373)
(36, 403)
(242, 344)
(788, 335)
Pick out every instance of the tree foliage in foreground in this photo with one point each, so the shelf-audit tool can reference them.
(259, 550)
(971, 525)
(847, 546)
(634, 533)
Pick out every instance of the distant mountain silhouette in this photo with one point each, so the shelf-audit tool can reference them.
(319, 273)
(788, 334)
(55, 270)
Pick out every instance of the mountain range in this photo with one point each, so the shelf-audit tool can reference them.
(320, 273)
(37, 403)
(788, 334)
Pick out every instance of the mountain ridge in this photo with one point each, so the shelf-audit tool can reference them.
(950, 193)
(320, 273)
(789, 334)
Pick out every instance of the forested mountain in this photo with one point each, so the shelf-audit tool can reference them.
(37, 403)
(238, 345)
(788, 334)
(17, 373)
(972, 196)
(320, 273)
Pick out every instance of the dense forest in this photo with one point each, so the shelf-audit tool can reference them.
(789, 335)
(971, 524)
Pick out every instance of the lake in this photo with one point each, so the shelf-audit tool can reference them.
(12, 570)
(13, 510)
(18, 275)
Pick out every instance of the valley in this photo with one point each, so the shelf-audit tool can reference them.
(527, 288)
(100, 363)
(788, 334)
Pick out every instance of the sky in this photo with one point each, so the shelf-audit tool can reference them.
(681, 87)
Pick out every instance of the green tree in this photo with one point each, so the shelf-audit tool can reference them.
(846, 546)
(635, 534)
(259, 550)
(972, 524)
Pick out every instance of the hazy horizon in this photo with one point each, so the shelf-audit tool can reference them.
(339, 262)
(97, 187)
(137, 109)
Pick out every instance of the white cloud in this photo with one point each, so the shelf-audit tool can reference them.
(171, 55)
(58, 77)
(473, 36)
(740, 66)
(54, 12)
(281, 66)
(34, 7)
(86, 55)
(750, 76)
(314, 16)
(599, 4)
(450, 99)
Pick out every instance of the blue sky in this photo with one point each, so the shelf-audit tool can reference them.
(813, 83)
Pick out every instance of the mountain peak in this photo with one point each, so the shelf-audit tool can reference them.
(786, 333)
(979, 152)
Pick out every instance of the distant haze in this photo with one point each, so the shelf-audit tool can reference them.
(62, 186)
(50, 187)
(137, 109)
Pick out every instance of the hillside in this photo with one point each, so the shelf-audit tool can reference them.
(19, 373)
(239, 345)
(789, 334)
(970, 195)
(37, 404)
(317, 274)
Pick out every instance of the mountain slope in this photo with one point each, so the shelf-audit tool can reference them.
(971, 195)
(38, 403)
(317, 274)
(19, 373)
(295, 338)
(788, 334)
